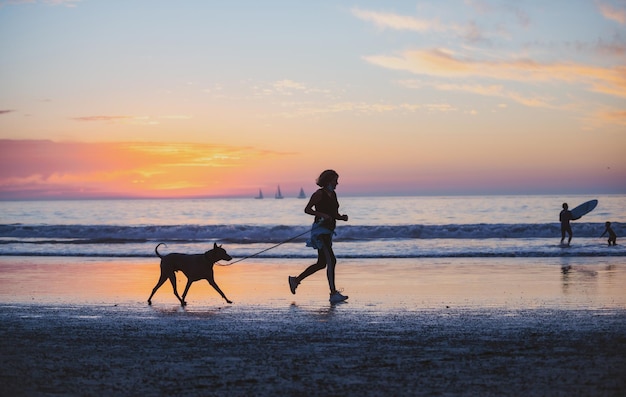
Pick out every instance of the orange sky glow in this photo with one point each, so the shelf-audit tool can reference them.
(215, 100)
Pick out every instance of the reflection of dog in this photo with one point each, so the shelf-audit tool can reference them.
(195, 267)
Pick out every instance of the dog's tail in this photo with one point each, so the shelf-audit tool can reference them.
(156, 250)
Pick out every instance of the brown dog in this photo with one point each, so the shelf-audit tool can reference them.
(195, 267)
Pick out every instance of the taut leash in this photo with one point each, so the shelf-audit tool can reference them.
(272, 247)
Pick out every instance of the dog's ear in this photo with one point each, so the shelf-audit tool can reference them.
(214, 245)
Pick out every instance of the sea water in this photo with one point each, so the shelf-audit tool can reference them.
(378, 227)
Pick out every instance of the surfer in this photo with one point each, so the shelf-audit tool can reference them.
(565, 217)
(612, 236)
(324, 206)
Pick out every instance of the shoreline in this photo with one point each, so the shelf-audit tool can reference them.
(491, 327)
(384, 285)
(106, 350)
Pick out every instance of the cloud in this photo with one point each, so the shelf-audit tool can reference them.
(137, 120)
(611, 13)
(470, 31)
(42, 168)
(6, 111)
(485, 7)
(445, 63)
(66, 3)
(400, 22)
(617, 117)
(102, 118)
(493, 90)
(287, 87)
(289, 84)
(177, 117)
(296, 109)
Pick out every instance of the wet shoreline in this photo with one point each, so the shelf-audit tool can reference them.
(334, 350)
(490, 327)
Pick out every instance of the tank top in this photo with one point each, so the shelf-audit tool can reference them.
(328, 205)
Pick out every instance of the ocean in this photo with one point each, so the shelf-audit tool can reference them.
(378, 227)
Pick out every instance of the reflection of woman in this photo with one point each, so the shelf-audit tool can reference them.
(325, 207)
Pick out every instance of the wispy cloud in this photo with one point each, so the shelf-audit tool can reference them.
(470, 31)
(103, 118)
(135, 120)
(66, 3)
(287, 87)
(485, 7)
(386, 20)
(6, 111)
(445, 63)
(613, 13)
(301, 109)
(492, 90)
(611, 117)
(144, 120)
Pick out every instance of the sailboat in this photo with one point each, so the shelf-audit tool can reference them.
(260, 196)
(301, 195)
(278, 195)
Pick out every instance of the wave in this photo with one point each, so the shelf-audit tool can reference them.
(380, 249)
(250, 234)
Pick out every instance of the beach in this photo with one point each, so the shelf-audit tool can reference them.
(451, 326)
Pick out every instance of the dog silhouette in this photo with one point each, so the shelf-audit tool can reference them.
(195, 267)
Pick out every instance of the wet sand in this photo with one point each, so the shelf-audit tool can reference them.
(533, 326)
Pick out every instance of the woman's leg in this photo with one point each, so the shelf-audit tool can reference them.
(325, 256)
(319, 265)
(331, 261)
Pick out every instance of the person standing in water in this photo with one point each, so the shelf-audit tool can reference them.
(565, 217)
(612, 236)
(324, 206)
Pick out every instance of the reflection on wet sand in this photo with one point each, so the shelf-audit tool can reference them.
(397, 284)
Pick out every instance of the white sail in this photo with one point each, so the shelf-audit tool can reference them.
(278, 195)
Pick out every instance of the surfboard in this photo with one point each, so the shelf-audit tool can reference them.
(584, 208)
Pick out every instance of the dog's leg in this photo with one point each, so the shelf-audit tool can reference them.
(214, 285)
(173, 281)
(157, 286)
(182, 301)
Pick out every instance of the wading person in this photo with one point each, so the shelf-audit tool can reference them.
(324, 206)
(612, 236)
(565, 217)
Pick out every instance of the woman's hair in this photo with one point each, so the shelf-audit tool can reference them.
(325, 177)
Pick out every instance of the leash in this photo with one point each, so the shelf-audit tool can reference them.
(274, 246)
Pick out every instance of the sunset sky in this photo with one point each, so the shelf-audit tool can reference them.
(164, 98)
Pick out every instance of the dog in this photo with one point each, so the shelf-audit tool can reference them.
(195, 267)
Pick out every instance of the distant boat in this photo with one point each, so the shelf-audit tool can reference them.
(260, 196)
(301, 195)
(278, 195)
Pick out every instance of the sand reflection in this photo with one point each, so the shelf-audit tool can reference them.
(373, 285)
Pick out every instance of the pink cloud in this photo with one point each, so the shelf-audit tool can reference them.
(613, 13)
(102, 118)
(42, 168)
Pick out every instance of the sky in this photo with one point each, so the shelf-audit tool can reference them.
(194, 98)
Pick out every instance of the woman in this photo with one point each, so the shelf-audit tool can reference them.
(324, 206)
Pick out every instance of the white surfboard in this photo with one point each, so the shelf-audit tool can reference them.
(584, 208)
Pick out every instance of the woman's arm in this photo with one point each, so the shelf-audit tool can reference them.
(315, 198)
